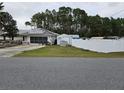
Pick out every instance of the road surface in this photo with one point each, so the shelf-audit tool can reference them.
(61, 73)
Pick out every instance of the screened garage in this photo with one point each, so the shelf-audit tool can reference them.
(42, 40)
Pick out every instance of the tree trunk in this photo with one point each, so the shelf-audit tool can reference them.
(23, 38)
(4, 38)
(12, 38)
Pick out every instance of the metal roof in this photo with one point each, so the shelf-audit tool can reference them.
(65, 35)
(37, 31)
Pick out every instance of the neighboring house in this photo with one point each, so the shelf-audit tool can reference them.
(106, 37)
(97, 38)
(112, 37)
(65, 39)
(38, 36)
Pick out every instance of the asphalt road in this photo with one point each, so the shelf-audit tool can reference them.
(61, 73)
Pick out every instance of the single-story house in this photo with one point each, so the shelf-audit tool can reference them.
(38, 36)
(66, 39)
(111, 37)
(96, 38)
(106, 37)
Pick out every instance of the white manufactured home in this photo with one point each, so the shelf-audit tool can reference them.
(38, 36)
(64, 38)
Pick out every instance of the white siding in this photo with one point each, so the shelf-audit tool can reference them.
(67, 38)
(51, 39)
(28, 39)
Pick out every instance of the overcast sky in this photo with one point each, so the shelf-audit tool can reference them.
(23, 11)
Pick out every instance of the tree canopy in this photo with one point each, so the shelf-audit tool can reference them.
(7, 24)
(1, 5)
(76, 21)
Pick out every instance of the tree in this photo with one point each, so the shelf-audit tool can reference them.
(115, 26)
(11, 29)
(55, 23)
(39, 20)
(8, 25)
(76, 21)
(95, 23)
(65, 19)
(121, 31)
(107, 27)
(1, 6)
(27, 23)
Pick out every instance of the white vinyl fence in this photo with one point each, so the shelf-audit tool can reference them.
(100, 45)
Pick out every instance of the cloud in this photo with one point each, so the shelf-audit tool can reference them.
(113, 4)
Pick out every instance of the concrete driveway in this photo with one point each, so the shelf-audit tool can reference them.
(11, 51)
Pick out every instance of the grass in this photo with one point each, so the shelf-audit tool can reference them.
(59, 51)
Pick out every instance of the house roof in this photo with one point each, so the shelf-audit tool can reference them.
(65, 35)
(38, 32)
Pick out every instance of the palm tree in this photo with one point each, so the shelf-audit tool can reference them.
(1, 6)
(27, 23)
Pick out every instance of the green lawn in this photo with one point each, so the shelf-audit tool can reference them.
(59, 51)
